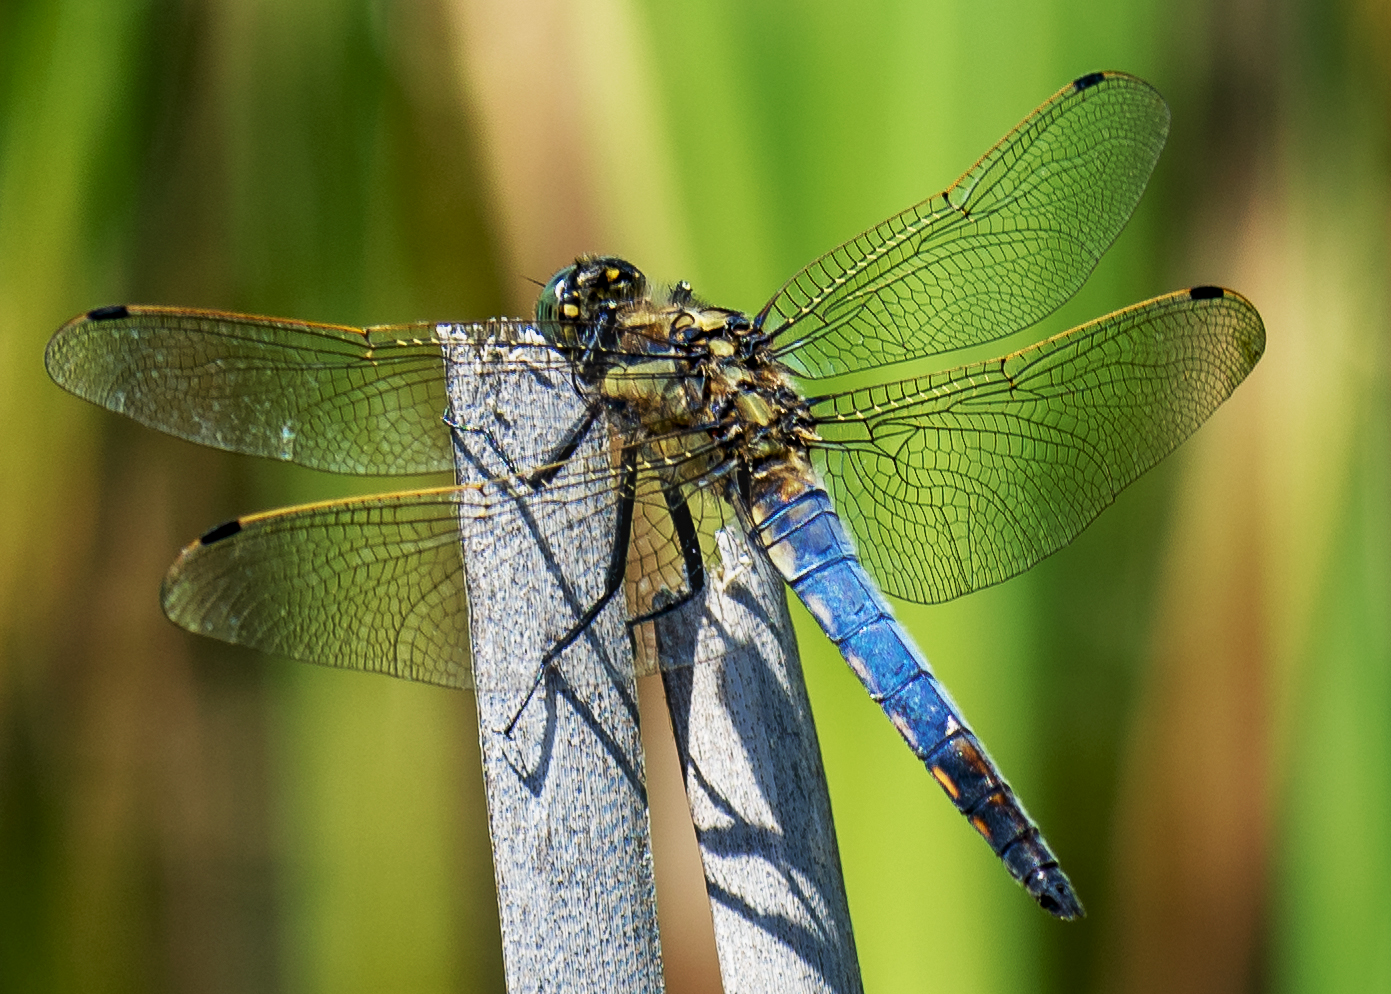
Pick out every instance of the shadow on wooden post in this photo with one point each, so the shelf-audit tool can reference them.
(752, 765)
(567, 799)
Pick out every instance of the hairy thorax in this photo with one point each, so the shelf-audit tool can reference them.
(696, 388)
(706, 392)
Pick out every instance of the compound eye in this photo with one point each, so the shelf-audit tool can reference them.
(556, 303)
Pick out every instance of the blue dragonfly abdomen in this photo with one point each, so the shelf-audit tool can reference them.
(806, 542)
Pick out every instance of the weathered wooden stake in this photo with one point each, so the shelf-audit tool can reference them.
(752, 765)
(567, 798)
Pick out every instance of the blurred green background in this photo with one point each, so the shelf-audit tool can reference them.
(1194, 699)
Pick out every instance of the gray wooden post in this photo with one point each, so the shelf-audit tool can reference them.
(757, 790)
(567, 799)
(566, 790)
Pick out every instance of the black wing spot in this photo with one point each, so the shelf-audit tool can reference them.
(1088, 81)
(1206, 293)
(111, 313)
(225, 530)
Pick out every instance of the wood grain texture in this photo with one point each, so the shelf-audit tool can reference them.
(567, 804)
(752, 765)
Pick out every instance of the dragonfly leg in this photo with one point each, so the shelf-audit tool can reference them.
(613, 580)
(556, 461)
(693, 563)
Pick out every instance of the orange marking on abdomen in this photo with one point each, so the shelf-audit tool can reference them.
(948, 784)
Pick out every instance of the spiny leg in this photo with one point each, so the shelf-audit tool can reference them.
(562, 453)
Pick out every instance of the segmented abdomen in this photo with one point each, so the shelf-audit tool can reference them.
(806, 542)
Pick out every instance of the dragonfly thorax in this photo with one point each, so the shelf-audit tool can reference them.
(673, 365)
(687, 375)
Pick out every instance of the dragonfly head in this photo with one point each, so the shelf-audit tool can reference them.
(576, 309)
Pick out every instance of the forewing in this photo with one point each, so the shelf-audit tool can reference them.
(347, 400)
(962, 479)
(1005, 245)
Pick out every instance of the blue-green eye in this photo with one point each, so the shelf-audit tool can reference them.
(548, 304)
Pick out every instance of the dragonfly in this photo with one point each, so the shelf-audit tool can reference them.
(924, 488)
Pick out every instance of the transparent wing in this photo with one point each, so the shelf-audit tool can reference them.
(372, 584)
(1004, 246)
(347, 400)
(377, 583)
(364, 401)
(962, 479)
